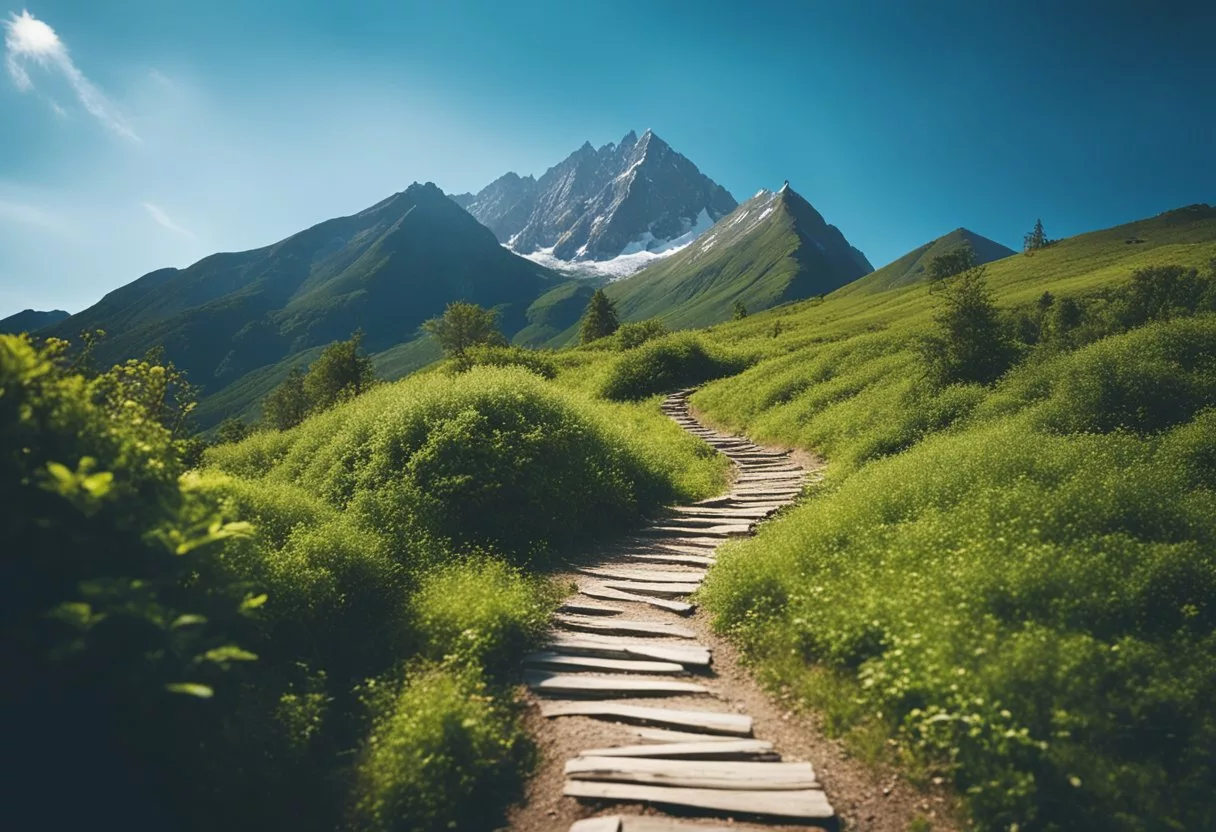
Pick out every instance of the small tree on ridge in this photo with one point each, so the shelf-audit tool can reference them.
(600, 320)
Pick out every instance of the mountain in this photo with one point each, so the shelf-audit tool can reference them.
(31, 320)
(638, 197)
(771, 249)
(911, 267)
(237, 322)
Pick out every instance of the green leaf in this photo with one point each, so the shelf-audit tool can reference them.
(190, 689)
(252, 602)
(229, 653)
(187, 620)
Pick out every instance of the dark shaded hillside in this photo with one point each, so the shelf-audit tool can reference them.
(31, 320)
(771, 249)
(911, 267)
(385, 269)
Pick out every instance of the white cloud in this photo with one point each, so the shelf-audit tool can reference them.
(28, 41)
(165, 220)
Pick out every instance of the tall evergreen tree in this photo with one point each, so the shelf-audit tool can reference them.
(739, 311)
(1036, 239)
(600, 320)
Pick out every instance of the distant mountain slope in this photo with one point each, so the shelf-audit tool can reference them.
(911, 267)
(771, 249)
(385, 269)
(595, 205)
(31, 320)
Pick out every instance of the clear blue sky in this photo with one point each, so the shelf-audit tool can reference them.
(144, 133)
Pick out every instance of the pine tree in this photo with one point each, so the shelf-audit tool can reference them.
(600, 320)
(1036, 239)
(739, 312)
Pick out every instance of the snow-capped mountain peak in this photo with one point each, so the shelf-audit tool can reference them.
(636, 199)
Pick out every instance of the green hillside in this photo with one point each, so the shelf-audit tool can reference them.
(237, 322)
(1011, 584)
(911, 267)
(772, 249)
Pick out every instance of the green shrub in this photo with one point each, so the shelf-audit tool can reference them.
(444, 753)
(634, 335)
(481, 611)
(490, 355)
(665, 365)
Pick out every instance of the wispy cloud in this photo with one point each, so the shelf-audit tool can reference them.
(25, 214)
(165, 220)
(28, 41)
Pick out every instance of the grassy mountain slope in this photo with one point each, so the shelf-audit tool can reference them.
(31, 320)
(385, 270)
(554, 314)
(773, 248)
(1013, 583)
(911, 267)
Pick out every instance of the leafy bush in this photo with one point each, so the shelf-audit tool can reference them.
(665, 365)
(488, 355)
(444, 753)
(634, 335)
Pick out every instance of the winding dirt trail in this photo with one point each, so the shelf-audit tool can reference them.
(647, 721)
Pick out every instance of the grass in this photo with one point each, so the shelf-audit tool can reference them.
(1011, 582)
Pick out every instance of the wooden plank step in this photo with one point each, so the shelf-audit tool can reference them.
(801, 805)
(608, 647)
(551, 660)
(670, 529)
(694, 774)
(664, 735)
(706, 722)
(654, 823)
(599, 687)
(701, 549)
(774, 476)
(618, 626)
(607, 593)
(626, 571)
(673, 558)
(667, 590)
(723, 511)
(736, 749)
(588, 608)
(696, 522)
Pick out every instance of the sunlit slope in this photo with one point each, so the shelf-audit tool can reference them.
(772, 249)
(911, 267)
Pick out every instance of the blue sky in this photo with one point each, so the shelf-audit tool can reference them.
(136, 134)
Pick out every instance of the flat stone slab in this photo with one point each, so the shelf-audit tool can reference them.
(619, 626)
(735, 749)
(607, 593)
(551, 660)
(696, 774)
(560, 684)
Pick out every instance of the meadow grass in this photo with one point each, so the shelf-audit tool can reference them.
(1013, 582)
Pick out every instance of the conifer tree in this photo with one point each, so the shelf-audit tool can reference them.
(600, 320)
(739, 312)
(1036, 239)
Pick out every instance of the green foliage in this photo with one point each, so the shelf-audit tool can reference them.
(287, 405)
(599, 321)
(738, 311)
(443, 753)
(482, 612)
(488, 355)
(463, 326)
(970, 344)
(635, 334)
(108, 637)
(340, 373)
(668, 364)
(232, 429)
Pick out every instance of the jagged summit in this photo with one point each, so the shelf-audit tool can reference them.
(637, 199)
